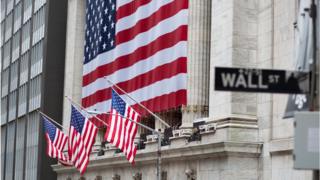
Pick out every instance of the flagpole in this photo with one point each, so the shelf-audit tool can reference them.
(82, 108)
(149, 111)
(49, 118)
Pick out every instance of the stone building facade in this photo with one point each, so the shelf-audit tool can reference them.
(248, 138)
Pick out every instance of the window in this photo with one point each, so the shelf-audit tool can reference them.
(20, 137)
(2, 31)
(25, 37)
(4, 103)
(27, 10)
(32, 146)
(3, 10)
(12, 105)
(14, 76)
(6, 54)
(5, 82)
(10, 151)
(36, 60)
(16, 46)
(3, 141)
(35, 93)
(17, 18)
(22, 105)
(9, 6)
(8, 28)
(24, 69)
(38, 25)
(38, 4)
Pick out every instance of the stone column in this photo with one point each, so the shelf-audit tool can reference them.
(74, 56)
(74, 59)
(198, 62)
(234, 44)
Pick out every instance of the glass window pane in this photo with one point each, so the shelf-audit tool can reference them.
(12, 105)
(32, 146)
(25, 37)
(4, 103)
(24, 68)
(4, 82)
(3, 141)
(8, 28)
(17, 17)
(16, 46)
(10, 151)
(20, 149)
(14, 76)
(22, 107)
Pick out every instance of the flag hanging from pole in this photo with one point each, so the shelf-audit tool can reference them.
(139, 45)
(81, 139)
(56, 140)
(121, 131)
(303, 58)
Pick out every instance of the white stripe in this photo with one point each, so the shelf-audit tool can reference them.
(49, 146)
(160, 58)
(164, 27)
(123, 120)
(127, 129)
(117, 134)
(86, 134)
(141, 13)
(111, 128)
(92, 137)
(159, 88)
(122, 2)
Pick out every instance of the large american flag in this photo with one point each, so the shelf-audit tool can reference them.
(121, 131)
(56, 140)
(141, 46)
(81, 139)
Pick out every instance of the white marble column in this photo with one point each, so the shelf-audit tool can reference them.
(198, 62)
(234, 44)
(74, 56)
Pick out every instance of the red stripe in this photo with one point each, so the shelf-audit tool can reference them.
(166, 101)
(130, 8)
(144, 25)
(162, 42)
(161, 72)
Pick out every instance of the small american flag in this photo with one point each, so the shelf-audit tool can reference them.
(56, 140)
(82, 137)
(139, 45)
(121, 131)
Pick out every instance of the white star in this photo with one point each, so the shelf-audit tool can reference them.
(89, 56)
(109, 35)
(104, 45)
(105, 28)
(87, 49)
(106, 11)
(100, 38)
(88, 32)
(101, 21)
(109, 17)
(113, 6)
(111, 43)
(112, 25)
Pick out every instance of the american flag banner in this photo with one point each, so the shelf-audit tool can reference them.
(81, 139)
(121, 131)
(56, 140)
(139, 45)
